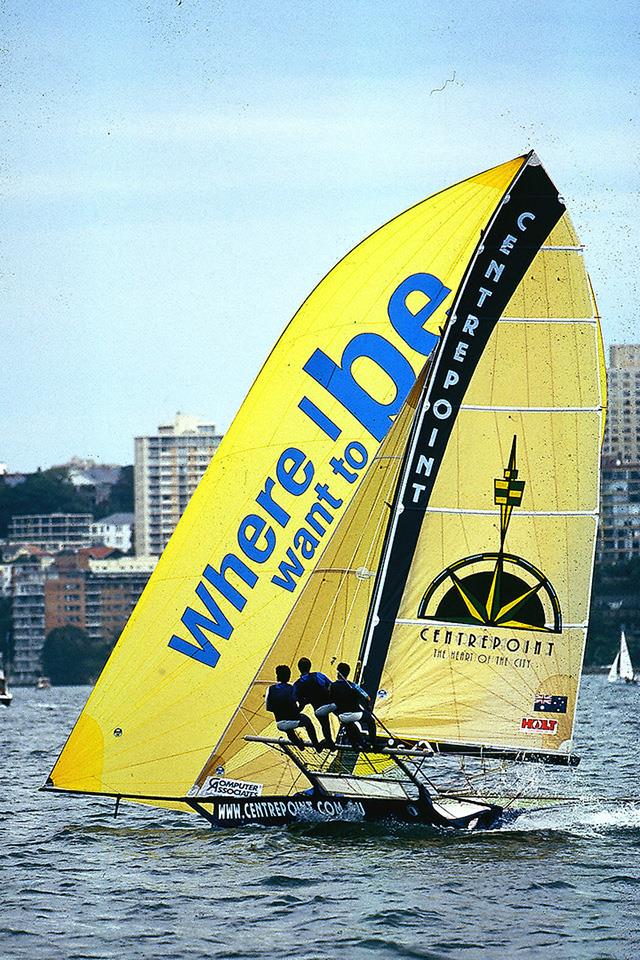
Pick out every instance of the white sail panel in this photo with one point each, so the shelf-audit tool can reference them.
(626, 667)
(614, 671)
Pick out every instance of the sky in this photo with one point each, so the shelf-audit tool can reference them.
(179, 174)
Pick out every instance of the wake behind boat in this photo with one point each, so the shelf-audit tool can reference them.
(411, 486)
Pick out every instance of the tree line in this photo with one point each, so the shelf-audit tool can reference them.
(51, 491)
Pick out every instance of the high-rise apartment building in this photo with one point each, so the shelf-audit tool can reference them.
(28, 614)
(619, 529)
(619, 533)
(622, 432)
(168, 467)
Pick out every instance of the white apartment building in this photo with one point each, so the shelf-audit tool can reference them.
(167, 468)
(114, 531)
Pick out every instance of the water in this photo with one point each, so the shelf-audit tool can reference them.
(78, 884)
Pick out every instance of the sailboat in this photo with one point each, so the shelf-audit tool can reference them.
(5, 694)
(411, 487)
(622, 667)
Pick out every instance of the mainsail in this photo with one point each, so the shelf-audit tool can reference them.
(282, 479)
(480, 638)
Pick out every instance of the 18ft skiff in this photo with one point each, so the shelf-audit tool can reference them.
(411, 485)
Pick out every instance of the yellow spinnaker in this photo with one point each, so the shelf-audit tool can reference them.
(282, 477)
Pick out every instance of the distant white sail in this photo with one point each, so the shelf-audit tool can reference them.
(613, 670)
(626, 667)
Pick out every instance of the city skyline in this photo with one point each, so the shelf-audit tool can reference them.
(182, 175)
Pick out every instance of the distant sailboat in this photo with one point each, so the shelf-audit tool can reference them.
(411, 486)
(5, 694)
(622, 669)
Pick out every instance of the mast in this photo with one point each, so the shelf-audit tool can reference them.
(520, 224)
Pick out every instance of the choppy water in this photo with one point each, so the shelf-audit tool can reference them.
(78, 884)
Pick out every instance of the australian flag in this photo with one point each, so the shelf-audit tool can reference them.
(546, 703)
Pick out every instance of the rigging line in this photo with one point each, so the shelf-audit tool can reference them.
(373, 547)
(265, 660)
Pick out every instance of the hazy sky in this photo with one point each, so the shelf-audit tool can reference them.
(179, 175)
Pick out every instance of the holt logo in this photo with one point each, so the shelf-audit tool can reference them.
(539, 724)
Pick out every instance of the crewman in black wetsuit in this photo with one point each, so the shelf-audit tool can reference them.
(281, 700)
(314, 688)
(352, 706)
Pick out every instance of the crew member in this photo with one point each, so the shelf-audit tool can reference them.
(352, 706)
(314, 689)
(281, 700)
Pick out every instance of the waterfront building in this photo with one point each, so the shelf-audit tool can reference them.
(112, 589)
(5, 580)
(168, 467)
(619, 530)
(94, 480)
(51, 531)
(622, 430)
(78, 589)
(64, 592)
(28, 616)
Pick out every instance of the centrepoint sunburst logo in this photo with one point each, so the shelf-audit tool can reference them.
(495, 589)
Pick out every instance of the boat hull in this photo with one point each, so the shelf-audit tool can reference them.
(275, 811)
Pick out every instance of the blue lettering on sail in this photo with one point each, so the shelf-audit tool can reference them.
(410, 325)
(203, 651)
(339, 380)
(294, 471)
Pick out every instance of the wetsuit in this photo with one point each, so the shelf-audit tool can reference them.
(315, 689)
(350, 701)
(281, 700)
